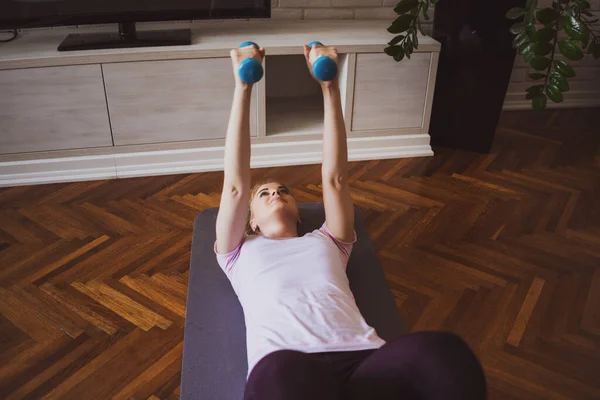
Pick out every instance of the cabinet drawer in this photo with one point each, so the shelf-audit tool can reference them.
(52, 108)
(390, 94)
(175, 100)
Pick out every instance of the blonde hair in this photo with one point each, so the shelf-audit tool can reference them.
(253, 192)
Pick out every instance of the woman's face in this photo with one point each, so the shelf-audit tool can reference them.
(272, 199)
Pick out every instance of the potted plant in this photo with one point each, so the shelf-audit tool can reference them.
(479, 43)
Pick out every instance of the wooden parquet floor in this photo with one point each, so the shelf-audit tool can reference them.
(503, 249)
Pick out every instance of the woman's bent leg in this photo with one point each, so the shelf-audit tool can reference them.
(423, 365)
(291, 375)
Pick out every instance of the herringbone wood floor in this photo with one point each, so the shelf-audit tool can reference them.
(503, 249)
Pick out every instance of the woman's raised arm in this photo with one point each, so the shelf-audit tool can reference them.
(339, 210)
(231, 220)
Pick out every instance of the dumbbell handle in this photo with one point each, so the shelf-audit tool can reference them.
(250, 70)
(324, 69)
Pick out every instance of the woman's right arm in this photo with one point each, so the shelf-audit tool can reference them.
(233, 210)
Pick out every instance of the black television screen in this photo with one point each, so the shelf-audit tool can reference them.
(37, 13)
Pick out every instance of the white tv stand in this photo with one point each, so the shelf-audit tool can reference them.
(67, 116)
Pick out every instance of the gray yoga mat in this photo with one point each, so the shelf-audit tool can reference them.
(214, 350)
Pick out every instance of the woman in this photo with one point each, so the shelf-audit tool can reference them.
(306, 338)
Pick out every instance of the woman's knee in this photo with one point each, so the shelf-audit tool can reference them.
(427, 365)
(449, 357)
(440, 351)
(438, 343)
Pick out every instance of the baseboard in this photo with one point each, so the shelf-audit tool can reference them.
(201, 159)
(268, 155)
(61, 169)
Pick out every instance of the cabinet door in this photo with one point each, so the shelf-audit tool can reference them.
(389, 94)
(174, 100)
(52, 108)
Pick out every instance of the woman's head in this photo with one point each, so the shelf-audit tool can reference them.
(272, 207)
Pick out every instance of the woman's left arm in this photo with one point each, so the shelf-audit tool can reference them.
(339, 210)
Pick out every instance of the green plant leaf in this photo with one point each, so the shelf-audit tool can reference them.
(415, 40)
(525, 48)
(542, 48)
(396, 40)
(435, 1)
(580, 5)
(562, 22)
(517, 28)
(539, 102)
(399, 55)
(392, 50)
(543, 35)
(515, 13)
(519, 40)
(538, 62)
(536, 76)
(570, 50)
(530, 16)
(405, 6)
(564, 69)
(425, 10)
(554, 93)
(576, 30)
(407, 47)
(400, 24)
(547, 15)
(559, 81)
(535, 90)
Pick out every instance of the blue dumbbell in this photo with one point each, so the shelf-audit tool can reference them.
(324, 69)
(251, 70)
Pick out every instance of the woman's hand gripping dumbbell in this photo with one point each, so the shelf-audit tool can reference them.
(322, 63)
(247, 63)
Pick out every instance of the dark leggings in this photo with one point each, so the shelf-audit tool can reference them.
(423, 365)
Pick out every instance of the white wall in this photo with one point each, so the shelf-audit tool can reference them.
(333, 9)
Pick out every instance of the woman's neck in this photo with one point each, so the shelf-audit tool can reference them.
(280, 230)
